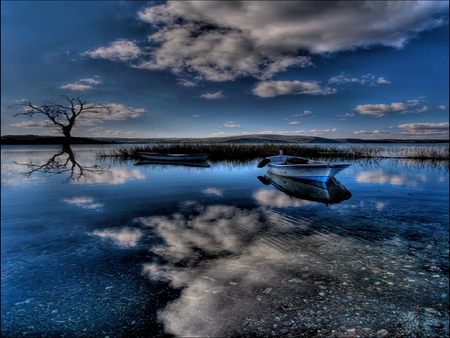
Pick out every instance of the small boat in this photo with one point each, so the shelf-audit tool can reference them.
(198, 164)
(300, 167)
(173, 157)
(329, 192)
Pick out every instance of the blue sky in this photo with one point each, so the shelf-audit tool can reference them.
(355, 69)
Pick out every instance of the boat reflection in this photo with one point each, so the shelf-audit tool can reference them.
(329, 192)
(203, 164)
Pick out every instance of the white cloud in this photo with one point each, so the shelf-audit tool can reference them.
(299, 132)
(118, 112)
(365, 80)
(379, 110)
(293, 25)
(212, 96)
(322, 131)
(426, 129)
(90, 81)
(345, 116)
(186, 83)
(223, 40)
(120, 50)
(76, 86)
(33, 124)
(442, 107)
(99, 132)
(382, 80)
(305, 113)
(231, 125)
(82, 84)
(364, 132)
(276, 88)
(294, 122)
(419, 110)
(96, 129)
(195, 115)
(119, 133)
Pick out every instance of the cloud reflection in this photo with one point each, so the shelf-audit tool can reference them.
(124, 237)
(232, 262)
(214, 228)
(273, 198)
(113, 176)
(381, 177)
(213, 191)
(84, 202)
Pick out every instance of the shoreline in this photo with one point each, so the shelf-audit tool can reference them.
(250, 139)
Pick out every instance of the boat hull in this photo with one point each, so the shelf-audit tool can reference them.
(319, 172)
(174, 157)
(198, 164)
(302, 168)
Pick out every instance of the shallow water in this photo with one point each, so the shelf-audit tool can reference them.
(120, 250)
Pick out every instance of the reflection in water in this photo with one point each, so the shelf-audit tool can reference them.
(125, 237)
(222, 255)
(329, 192)
(113, 176)
(63, 162)
(243, 270)
(213, 191)
(381, 177)
(83, 202)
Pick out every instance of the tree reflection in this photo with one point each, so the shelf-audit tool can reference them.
(63, 162)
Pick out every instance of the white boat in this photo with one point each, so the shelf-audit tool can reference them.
(173, 157)
(302, 168)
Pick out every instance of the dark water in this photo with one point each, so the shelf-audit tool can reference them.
(125, 250)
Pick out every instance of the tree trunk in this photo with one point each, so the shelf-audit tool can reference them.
(66, 131)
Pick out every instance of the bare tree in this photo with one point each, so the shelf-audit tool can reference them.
(64, 116)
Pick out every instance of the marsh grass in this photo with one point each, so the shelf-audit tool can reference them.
(245, 152)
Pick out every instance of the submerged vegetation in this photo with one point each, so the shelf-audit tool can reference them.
(243, 152)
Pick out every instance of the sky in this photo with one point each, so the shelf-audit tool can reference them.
(333, 69)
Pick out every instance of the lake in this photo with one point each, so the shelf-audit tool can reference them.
(115, 249)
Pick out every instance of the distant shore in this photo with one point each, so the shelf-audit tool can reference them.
(37, 139)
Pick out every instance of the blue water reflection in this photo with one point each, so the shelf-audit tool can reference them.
(161, 250)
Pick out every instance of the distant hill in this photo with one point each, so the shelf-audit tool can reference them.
(356, 140)
(255, 138)
(262, 138)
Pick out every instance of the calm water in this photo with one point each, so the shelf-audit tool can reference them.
(125, 250)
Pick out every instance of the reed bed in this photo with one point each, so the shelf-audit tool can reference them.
(243, 152)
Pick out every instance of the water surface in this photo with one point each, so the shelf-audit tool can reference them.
(117, 249)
